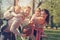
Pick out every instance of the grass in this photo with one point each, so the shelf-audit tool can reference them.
(52, 34)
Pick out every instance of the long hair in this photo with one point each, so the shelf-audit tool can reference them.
(48, 15)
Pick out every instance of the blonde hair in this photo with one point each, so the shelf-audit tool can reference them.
(17, 7)
(38, 9)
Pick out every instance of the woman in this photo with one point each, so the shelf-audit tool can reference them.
(40, 19)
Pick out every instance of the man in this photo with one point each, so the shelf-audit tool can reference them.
(12, 17)
(16, 23)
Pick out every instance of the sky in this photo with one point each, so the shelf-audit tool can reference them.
(24, 2)
(7, 3)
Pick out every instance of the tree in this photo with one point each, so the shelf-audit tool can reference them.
(6, 4)
(54, 8)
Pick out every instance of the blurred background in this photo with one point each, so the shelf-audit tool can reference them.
(52, 5)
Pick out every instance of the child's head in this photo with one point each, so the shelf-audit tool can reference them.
(26, 31)
(17, 9)
(38, 10)
(45, 14)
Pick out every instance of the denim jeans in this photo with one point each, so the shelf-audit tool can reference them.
(7, 36)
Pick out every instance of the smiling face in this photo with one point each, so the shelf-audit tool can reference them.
(38, 11)
(43, 14)
(17, 9)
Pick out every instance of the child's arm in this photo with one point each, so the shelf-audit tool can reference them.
(14, 14)
(7, 15)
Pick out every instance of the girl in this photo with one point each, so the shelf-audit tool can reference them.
(40, 19)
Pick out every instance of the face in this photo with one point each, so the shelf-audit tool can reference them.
(38, 11)
(17, 9)
(27, 11)
(43, 14)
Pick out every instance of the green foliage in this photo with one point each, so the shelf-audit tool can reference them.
(54, 8)
(52, 34)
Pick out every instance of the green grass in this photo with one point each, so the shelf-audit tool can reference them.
(52, 34)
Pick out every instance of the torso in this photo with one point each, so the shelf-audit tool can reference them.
(38, 22)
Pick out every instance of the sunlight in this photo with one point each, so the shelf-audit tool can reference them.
(24, 2)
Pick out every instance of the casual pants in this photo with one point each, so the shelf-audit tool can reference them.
(7, 36)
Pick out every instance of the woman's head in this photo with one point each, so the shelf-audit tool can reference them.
(45, 14)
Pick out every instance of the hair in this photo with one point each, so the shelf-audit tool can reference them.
(28, 30)
(28, 7)
(38, 9)
(17, 6)
(48, 14)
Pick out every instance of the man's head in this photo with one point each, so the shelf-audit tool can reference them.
(27, 10)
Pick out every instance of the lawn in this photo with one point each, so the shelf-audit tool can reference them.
(52, 34)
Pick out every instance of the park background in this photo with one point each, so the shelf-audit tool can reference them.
(52, 30)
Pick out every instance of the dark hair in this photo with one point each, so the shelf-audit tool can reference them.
(48, 14)
(28, 30)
